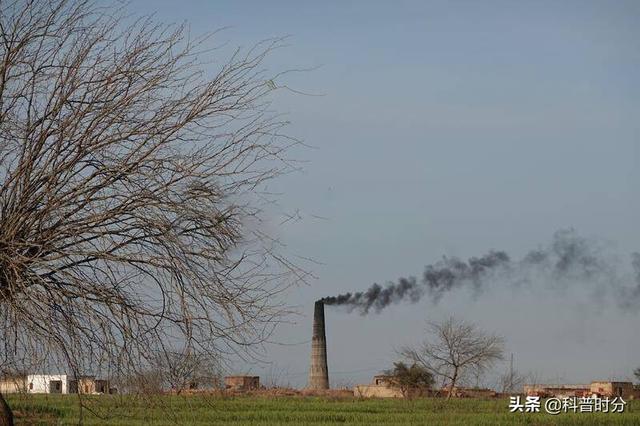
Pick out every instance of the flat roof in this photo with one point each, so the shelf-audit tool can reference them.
(241, 377)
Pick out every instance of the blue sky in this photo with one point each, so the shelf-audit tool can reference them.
(451, 128)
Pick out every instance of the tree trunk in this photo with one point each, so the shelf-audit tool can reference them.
(6, 415)
(454, 379)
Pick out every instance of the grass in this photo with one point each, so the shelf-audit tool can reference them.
(202, 410)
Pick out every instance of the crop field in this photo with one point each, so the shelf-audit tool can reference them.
(203, 410)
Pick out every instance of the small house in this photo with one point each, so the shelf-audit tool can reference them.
(241, 383)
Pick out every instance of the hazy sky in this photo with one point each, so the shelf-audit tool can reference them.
(451, 128)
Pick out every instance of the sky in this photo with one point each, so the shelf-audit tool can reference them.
(448, 129)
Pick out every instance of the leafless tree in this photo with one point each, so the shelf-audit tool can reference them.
(132, 173)
(456, 350)
(277, 377)
(143, 383)
(175, 372)
(190, 371)
(511, 380)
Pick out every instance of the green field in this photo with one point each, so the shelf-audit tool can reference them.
(201, 410)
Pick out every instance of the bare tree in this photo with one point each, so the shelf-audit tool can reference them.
(277, 377)
(511, 380)
(456, 350)
(190, 371)
(146, 382)
(175, 372)
(131, 186)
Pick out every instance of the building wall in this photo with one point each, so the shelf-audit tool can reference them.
(85, 385)
(88, 385)
(382, 380)
(558, 391)
(101, 386)
(41, 383)
(13, 384)
(602, 388)
(623, 389)
(376, 391)
(473, 392)
(242, 382)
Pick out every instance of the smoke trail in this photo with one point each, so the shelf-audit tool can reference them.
(452, 272)
(636, 267)
(569, 258)
(630, 298)
(377, 297)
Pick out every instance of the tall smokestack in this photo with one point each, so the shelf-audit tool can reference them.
(318, 373)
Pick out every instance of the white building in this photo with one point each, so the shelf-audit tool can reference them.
(47, 383)
(54, 383)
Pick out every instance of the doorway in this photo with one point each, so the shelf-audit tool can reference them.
(55, 386)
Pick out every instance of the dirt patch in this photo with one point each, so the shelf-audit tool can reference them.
(39, 417)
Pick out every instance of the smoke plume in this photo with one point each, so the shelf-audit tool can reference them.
(568, 259)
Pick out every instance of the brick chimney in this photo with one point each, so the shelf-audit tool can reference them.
(318, 372)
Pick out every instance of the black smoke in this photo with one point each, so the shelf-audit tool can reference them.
(378, 297)
(636, 268)
(569, 258)
(630, 297)
(450, 273)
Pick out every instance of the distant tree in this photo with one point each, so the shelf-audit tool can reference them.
(636, 373)
(189, 371)
(455, 350)
(145, 382)
(511, 381)
(277, 377)
(410, 378)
